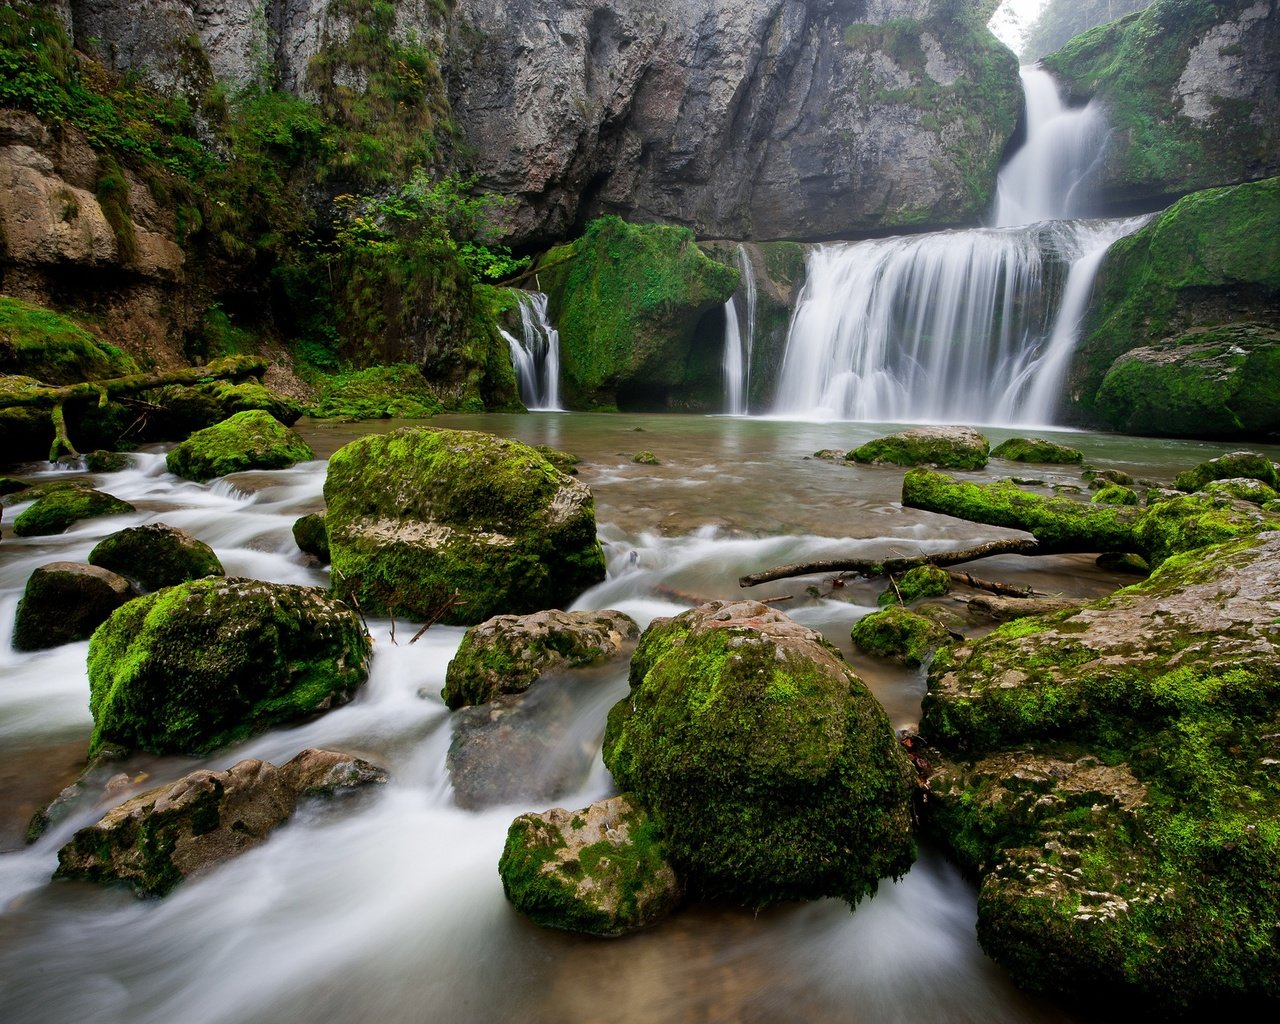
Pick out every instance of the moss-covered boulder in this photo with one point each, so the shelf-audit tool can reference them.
(1232, 465)
(602, 870)
(248, 440)
(66, 601)
(628, 300)
(102, 461)
(195, 407)
(776, 774)
(1036, 449)
(59, 508)
(914, 584)
(418, 516)
(156, 556)
(1242, 489)
(311, 536)
(508, 653)
(947, 447)
(899, 635)
(203, 664)
(398, 391)
(156, 839)
(1108, 773)
(53, 348)
(1115, 494)
(1192, 521)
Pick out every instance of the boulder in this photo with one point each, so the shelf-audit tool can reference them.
(603, 870)
(947, 447)
(914, 584)
(310, 535)
(776, 774)
(66, 601)
(59, 508)
(1232, 465)
(899, 635)
(1115, 494)
(508, 653)
(1192, 521)
(197, 406)
(203, 664)
(422, 520)
(1108, 773)
(158, 838)
(248, 440)
(102, 461)
(1035, 449)
(156, 556)
(1242, 489)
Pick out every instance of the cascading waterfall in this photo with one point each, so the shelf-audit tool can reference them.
(536, 355)
(738, 343)
(975, 326)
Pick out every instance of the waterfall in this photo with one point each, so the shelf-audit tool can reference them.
(738, 343)
(536, 355)
(970, 326)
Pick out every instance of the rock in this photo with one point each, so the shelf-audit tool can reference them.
(1107, 772)
(66, 601)
(418, 515)
(53, 348)
(775, 773)
(58, 509)
(1242, 489)
(195, 407)
(1005, 609)
(156, 556)
(1115, 494)
(1036, 449)
(508, 653)
(1232, 465)
(602, 870)
(158, 838)
(899, 635)
(106, 462)
(1134, 565)
(1192, 521)
(11, 485)
(310, 535)
(203, 664)
(948, 447)
(248, 440)
(914, 584)
(379, 392)
(646, 458)
(1099, 479)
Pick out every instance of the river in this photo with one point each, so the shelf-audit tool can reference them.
(387, 907)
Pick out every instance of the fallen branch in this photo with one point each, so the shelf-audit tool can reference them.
(42, 395)
(991, 586)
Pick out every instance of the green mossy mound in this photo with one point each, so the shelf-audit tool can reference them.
(106, 462)
(399, 391)
(775, 772)
(602, 870)
(194, 667)
(627, 299)
(53, 348)
(1194, 520)
(948, 447)
(1233, 465)
(59, 508)
(1108, 773)
(418, 515)
(156, 556)
(914, 584)
(64, 602)
(311, 536)
(187, 409)
(899, 635)
(248, 440)
(1036, 449)
(1115, 494)
(1242, 489)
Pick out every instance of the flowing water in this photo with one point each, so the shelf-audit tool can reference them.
(536, 354)
(387, 907)
(739, 340)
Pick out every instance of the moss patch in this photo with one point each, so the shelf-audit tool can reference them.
(899, 635)
(248, 440)
(59, 508)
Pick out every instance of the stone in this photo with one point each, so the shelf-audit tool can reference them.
(602, 870)
(914, 584)
(64, 602)
(197, 406)
(1115, 494)
(1232, 465)
(899, 635)
(253, 439)
(946, 447)
(106, 462)
(1036, 449)
(776, 774)
(58, 509)
(159, 838)
(418, 516)
(310, 535)
(508, 653)
(1242, 489)
(194, 667)
(155, 556)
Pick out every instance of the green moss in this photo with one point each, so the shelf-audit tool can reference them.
(53, 348)
(1232, 465)
(1115, 494)
(156, 556)
(195, 407)
(311, 536)
(926, 446)
(58, 509)
(1193, 521)
(379, 392)
(899, 635)
(920, 582)
(1036, 449)
(248, 440)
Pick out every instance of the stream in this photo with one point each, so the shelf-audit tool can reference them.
(386, 906)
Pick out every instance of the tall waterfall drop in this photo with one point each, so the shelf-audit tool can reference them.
(970, 326)
(536, 355)
(738, 343)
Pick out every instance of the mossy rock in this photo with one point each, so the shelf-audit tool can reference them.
(11, 485)
(156, 556)
(187, 409)
(948, 447)
(646, 458)
(1036, 449)
(397, 391)
(311, 535)
(1192, 521)
(1242, 489)
(194, 667)
(776, 774)
(60, 507)
(248, 440)
(419, 515)
(1232, 465)
(602, 870)
(1115, 494)
(899, 635)
(64, 602)
(53, 348)
(106, 462)
(914, 584)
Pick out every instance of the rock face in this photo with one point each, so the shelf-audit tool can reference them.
(194, 667)
(417, 516)
(948, 447)
(66, 601)
(1109, 773)
(253, 439)
(155, 556)
(776, 774)
(155, 840)
(602, 870)
(508, 653)
(1191, 95)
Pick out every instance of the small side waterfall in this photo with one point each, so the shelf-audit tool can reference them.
(536, 355)
(738, 343)
(970, 326)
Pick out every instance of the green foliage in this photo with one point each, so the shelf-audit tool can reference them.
(380, 392)
(1061, 20)
(914, 584)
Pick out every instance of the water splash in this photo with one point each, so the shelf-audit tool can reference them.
(536, 355)
(739, 343)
